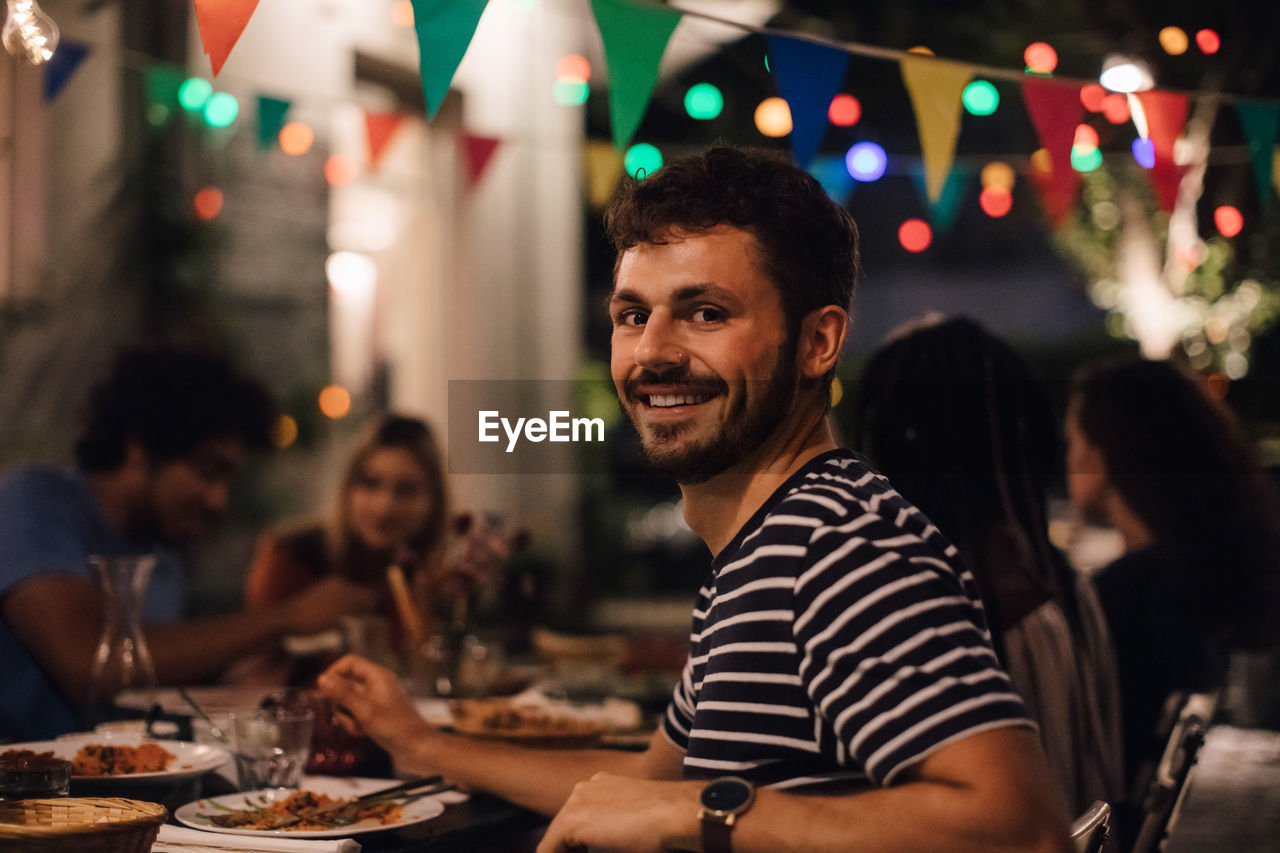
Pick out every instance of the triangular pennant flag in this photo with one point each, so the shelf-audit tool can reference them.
(1055, 109)
(1261, 123)
(603, 167)
(943, 210)
(478, 150)
(163, 83)
(271, 113)
(445, 29)
(831, 172)
(66, 59)
(379, 128)
(221, 22)
(635, 37)
(808, 75)
(935, 87)
(1166, 114)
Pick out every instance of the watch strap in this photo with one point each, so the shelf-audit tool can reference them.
(716, 833)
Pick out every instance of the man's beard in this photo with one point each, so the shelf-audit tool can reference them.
(743, 429)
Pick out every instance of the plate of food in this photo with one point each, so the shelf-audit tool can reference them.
(135, 758)
(520, 722)
(312, 811)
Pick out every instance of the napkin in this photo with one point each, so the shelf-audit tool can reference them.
(177, 839)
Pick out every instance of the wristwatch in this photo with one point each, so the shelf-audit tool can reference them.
(723, 801)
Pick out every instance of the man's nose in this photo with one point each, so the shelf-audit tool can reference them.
(660, 347)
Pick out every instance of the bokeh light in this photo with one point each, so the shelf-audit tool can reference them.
(1144, 151)
(573, 67)
(285, 431)
(335, 401)
(1041, 161)
(980, 98)
(920, 49)
(1228, 220)
(1174, 41)
(1208, 41)
(997, 175)
(221, 109)
(866, 161)
(1086, 136)
(845, 110)
(402, 13)
(296, 138)
(703, 101)
(568, 92)
(1085, 159)
(1091, 95)
(1040, 57)
(915, 235)
(773, 117)
(642, 160)
(207, 203)
(193, 93)
(340, 170)
(995, 201)
(1115, 108)
(352, 275)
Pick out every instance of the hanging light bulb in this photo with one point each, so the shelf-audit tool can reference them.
(29, 34)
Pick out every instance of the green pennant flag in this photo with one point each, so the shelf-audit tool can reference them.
(1261, 123)
(635, 37)
(163, 83)
(271, 113)
(944, 209)
(444, 28)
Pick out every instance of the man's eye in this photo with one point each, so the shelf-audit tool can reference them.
(631, 318)
(708, 315)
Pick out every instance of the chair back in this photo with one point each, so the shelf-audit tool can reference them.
(1090, 831)
(1170, 783)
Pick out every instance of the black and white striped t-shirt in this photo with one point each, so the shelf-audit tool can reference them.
(838, 641)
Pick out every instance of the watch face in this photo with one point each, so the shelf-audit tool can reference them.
(726, 795)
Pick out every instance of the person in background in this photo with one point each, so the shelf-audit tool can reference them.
(1152, 455)
(391, 508)
(840, 691)
(965, 430)
(165, 433)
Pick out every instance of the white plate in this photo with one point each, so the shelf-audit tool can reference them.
(415, 812)
(191, 759)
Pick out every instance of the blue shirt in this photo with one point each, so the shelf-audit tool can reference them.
(50, 523)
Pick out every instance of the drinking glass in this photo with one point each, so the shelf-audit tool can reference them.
(34, 777)
(271, 746)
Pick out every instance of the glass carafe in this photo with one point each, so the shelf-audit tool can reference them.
(122, 660)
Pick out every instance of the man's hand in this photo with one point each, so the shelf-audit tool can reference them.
(318, 607)
(371, 700)
(609, 812)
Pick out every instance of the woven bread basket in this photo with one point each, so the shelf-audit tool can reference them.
(80, 825)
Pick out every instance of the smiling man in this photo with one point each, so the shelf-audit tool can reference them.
(841, 692)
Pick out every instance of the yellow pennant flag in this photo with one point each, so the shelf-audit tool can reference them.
(604, 168)
(935, 87)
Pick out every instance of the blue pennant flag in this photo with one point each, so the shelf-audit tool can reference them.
(66, 59)
(943, 212)
(808, 76)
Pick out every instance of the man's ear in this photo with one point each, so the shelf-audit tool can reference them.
(822, 334)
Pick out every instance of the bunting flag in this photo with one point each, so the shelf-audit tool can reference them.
(635, 37)
(603, 167)
(808, 76)
(59, 70)
(162, 82)
(944, 209)
(833, 174)
(935, 87)
(221, 22)
(445, 29)
(1055, 110)
(1261, 123)
(271, 113)
(1166, 114)
(477, 150)
(379, 128)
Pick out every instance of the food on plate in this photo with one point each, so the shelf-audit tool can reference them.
(304, 811)
(102, 760)
(23, 755)
(503, 718)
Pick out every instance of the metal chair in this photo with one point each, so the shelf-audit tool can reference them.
(1170, 782)
(1090, 831)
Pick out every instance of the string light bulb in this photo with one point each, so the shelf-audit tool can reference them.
(29, 34)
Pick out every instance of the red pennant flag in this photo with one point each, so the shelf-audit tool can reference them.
(221, 22)
(478, 150)
(1166, 114)
(1055, 110)
(379, 128)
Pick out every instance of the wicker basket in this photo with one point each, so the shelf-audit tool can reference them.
(80, 825)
